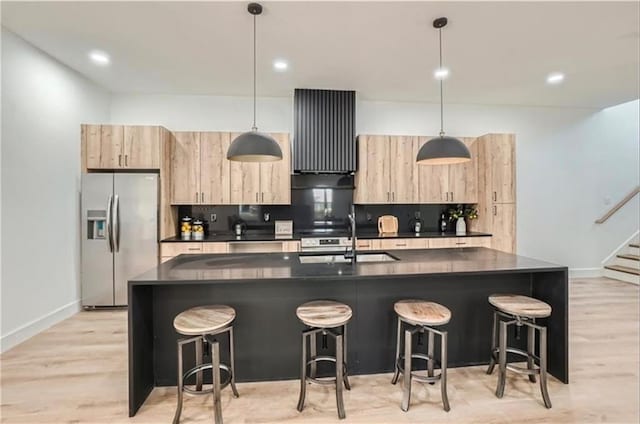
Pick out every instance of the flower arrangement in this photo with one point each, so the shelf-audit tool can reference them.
(461, 212)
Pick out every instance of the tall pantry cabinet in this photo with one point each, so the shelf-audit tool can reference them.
(497, 190)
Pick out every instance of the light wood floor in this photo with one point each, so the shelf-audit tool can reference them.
(76, 372)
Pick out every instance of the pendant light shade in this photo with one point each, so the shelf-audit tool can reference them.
(442, 150)
(254, 146)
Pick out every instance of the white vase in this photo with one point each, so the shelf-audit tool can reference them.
(461, 227)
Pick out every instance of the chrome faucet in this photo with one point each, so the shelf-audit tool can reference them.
(352, 219)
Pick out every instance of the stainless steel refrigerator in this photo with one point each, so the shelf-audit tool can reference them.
(119, 234)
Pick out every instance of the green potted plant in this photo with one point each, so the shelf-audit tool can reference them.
(458, 214)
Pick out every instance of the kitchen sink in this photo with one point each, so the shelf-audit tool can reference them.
(341, 259)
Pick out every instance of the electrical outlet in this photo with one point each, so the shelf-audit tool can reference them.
(266, 217)
(214, 217)
(369, 217)
(417, 215)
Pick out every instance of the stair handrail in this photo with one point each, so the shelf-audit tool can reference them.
(618, 205)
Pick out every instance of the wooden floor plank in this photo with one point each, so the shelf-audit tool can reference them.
(77, 372)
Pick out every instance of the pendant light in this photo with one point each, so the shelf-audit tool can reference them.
(442, 150)
(254, 146)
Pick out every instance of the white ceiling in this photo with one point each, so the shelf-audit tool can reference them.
(498, 52)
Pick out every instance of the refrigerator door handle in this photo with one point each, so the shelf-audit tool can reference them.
(109, 223)
(116, 222)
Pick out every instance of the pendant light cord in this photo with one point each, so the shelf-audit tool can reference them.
(441, 87)
(254, 128)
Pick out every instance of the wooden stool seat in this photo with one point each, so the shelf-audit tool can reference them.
(204, 319)
(420, 312)
(521, 306)
(324, 313)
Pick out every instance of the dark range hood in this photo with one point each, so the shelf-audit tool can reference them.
(324, 139)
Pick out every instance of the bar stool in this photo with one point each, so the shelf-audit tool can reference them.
(421, 316)
(519, 310)
(327, 318)
(205, 322)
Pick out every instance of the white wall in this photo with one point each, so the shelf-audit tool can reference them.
(43, 104)
(569, 161)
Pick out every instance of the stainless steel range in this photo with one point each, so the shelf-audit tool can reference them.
(325, 244)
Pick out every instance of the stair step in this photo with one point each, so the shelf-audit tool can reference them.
(630, 257)
(637, 246)
(625, 269)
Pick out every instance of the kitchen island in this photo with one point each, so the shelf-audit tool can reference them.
(265, 290)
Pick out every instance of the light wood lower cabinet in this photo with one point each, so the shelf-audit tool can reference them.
(448, 242)
(422, 243)
(170, 250)
(503, 225)
(401, 244)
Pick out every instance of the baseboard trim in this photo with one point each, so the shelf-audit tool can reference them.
(585, 272)
(618, 249)
(30, 329)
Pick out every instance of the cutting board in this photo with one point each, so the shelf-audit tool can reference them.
(388, 224)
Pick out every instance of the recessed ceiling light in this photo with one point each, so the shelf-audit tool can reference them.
(280, 65)
(99, 57)
(555, 78)
(441, 73)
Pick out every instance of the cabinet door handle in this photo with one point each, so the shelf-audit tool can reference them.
(495, 196)
(126, 160)
(202, 197)
(495, 210)
(119, 160)
(263, 197)
(447, 194)
(452, 196)
(193, 248)
(196, 197)
(256, 197)
(401, 244)
(461, 242)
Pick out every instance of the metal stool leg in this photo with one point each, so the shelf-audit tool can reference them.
(345, 377)
(199, 354)
(303, 373)
(339, 375)
(443, 369)
(313, 352)
(494, 343)
(543, 367)
(176, 418)
(531, 350)
(215, 371)
(396, 368)
(430, 353)
(502, 359)
(406, 391)
(232, 363)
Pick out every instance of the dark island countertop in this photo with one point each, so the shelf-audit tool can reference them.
(363, 235)
(266, 289)
(225, 268)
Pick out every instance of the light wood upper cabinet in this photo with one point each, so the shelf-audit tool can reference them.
(387, 170)
(463, 177)
(450, 183)
(404, 169)
(185, 168)
(215, 185)
(275, 177)
(502, 167)
(265, 183)
(372, 180)
(103, 146)
(121, 147)
(141, 147)
(245, 181)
